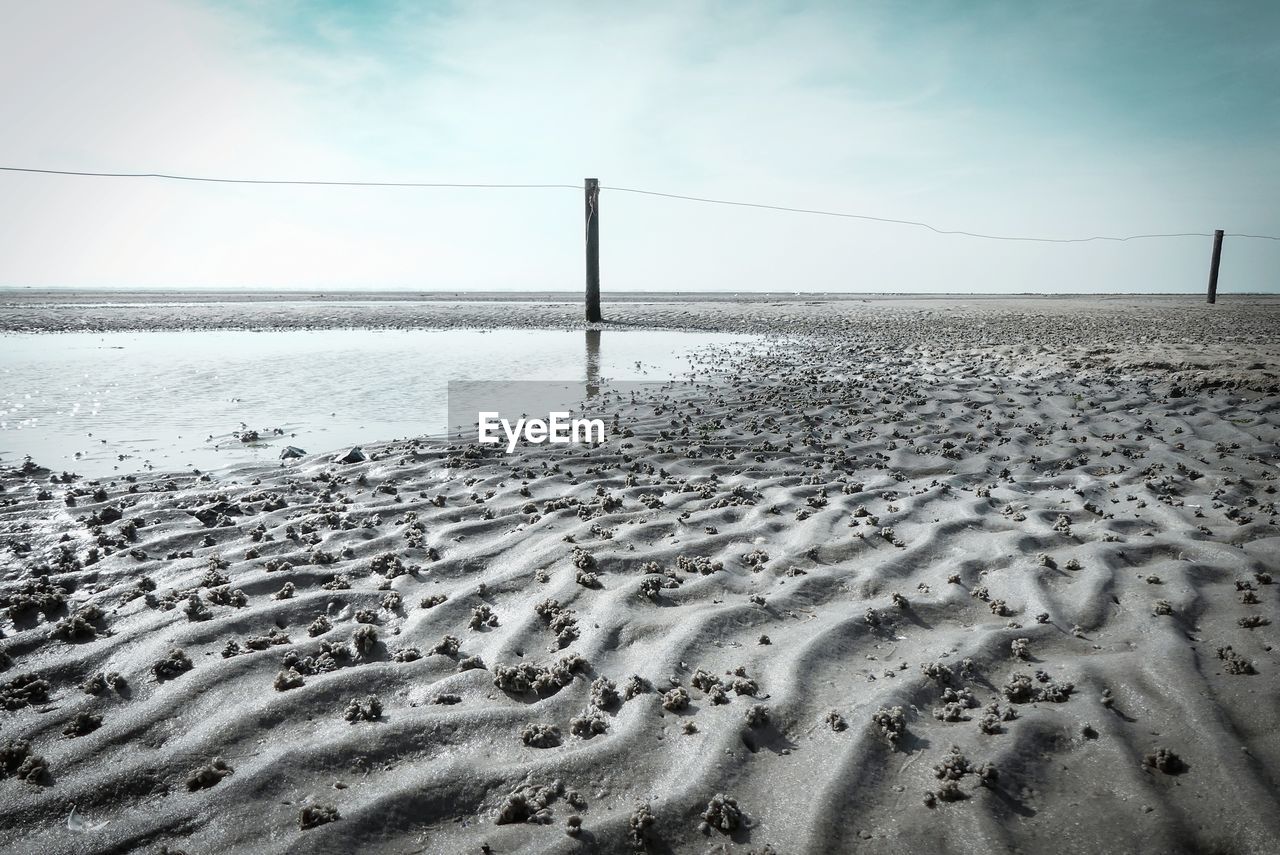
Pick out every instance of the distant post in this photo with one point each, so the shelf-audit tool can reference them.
(1213, 265)
(592, 191)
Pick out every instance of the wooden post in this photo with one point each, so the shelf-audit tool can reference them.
(592, 188)
(1213, 265)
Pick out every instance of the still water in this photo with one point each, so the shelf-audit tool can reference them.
(100, 404)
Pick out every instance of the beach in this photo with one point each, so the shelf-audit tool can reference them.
(944, 574)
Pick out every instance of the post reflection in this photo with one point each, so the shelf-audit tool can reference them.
(593, 363)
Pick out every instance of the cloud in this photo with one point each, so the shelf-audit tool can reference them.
(1002, 121)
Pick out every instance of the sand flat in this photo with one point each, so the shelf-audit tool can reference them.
(927, 574)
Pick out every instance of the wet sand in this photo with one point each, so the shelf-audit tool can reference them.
(952, 575)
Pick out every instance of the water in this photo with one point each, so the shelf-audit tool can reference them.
(110, 403)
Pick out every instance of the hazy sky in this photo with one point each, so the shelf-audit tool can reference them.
(1059, 119)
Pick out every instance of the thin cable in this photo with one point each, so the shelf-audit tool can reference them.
(168, 177)
(923, 225)
(868, 217)
(920, 224)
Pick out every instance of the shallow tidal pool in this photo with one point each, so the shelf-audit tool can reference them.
(110, 403)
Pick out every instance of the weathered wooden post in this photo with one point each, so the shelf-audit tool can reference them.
(1213, 265)
(592, 188)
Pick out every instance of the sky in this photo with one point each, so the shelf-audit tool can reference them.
(1062, 119)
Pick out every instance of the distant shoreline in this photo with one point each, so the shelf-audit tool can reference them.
(950, 321)
(28, 296)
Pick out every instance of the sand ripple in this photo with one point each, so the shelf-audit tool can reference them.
(894, 522)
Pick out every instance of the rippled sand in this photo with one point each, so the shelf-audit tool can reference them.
(1042, 532)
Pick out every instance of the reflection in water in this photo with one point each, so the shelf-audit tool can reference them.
(593, 363)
